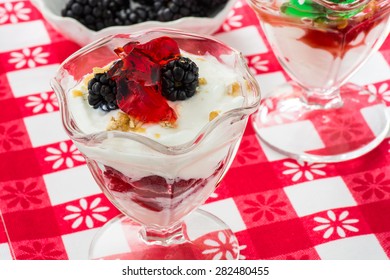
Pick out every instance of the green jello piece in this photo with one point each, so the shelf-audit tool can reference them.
(312, 10)
(307, 9)
(343, 1)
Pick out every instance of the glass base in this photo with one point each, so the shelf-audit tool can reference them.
(333, 131)
(204, 237)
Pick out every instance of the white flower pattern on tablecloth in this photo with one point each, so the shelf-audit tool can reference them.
(335, 224)
(381, 92)
(280, 117)
(301, 169)
(65, 154)
(238, 4)
(86, 213)
(47, 101)
(240, 248)
(256, 63)
(222, 248)
(29, 57)
(232, 20)
(14, 12)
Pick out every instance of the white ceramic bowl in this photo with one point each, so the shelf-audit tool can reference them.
(74, 30)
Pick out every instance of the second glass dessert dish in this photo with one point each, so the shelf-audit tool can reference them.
(321, 43)
(159, 116)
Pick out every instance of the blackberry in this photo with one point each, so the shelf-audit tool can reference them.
(145, 2)
(168, 10)
(102, 92)
(94, 14)
(212, 6)
(179, 79)
(134, 15)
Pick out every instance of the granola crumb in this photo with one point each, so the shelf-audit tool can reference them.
(157, 135)
(168, 124)
(125, 123)
(202, 81)
(213, 115)
(77, 93)
(234, 89)
(99, 70)
(88, 78)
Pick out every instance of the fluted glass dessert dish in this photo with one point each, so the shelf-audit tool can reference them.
(158, 160)
(318, 116)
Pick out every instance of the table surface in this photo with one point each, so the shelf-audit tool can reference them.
(279, 208)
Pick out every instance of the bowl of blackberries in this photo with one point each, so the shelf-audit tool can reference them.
(84, 21)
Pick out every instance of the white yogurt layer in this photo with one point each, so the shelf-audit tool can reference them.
(137, 160)
(193, 113)
(318, 67)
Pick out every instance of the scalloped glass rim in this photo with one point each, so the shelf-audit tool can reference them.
(74, 30)
(95, 139)
(340, 6)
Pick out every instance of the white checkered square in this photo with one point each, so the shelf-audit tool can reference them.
(365, 247)
(277, 135)
(269, 81)
(77, 244)
(366, 75)
(249, 34)
(5, 252)
(227, 211)
(32, 80)
(70, 184)
(23, 35)
(44, 129)
(370, 114)
(270, 153)
(319, 195)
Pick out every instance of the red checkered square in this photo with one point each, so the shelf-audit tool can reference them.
(5, 89)
(263, 63)
(18, 165)
(265, 208)
(23, 195)
(370, 186)
(34, 224)
(375, 159)
(40, 249)
(58, 156)
(247, 249)
(290, 171)
(334, 224)
(13, 136)
(246, 179)
(377, 215)
(40, 103)
(306, 254)
(249, 152)
(84, 214)
(280, 238)
(19, 11)
(10, 110)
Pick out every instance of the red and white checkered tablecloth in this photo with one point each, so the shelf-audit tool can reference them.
(279, 208)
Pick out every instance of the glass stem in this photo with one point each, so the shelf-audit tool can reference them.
(323, 99)
(163, 236)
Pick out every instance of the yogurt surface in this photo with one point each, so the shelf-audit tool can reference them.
(215, 95)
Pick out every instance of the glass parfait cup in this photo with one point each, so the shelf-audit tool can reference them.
(318, 116)
(158, 188)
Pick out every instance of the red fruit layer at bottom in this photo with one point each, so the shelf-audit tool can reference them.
(147, 191)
